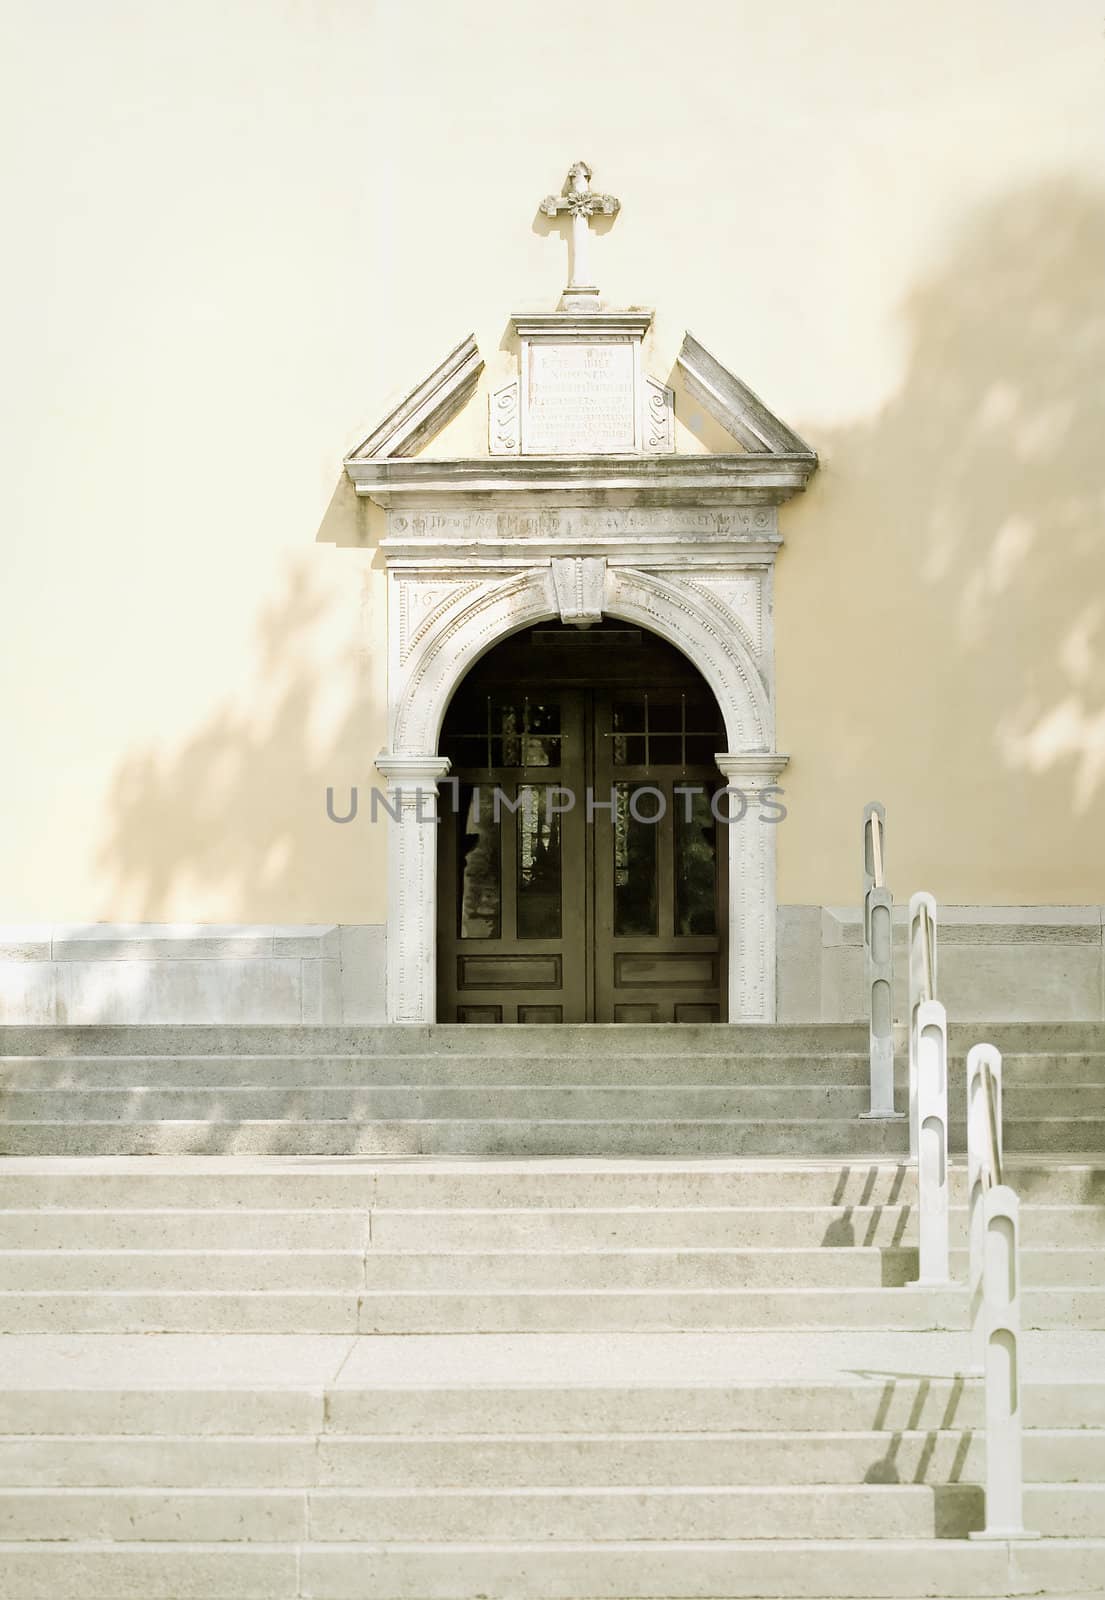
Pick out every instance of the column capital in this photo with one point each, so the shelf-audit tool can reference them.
(751, 764)
(412, 769)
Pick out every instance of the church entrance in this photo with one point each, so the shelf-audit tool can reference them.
(580, 875)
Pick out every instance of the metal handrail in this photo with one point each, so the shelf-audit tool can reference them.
(878, 964)
(926, 951)
(994, 1279)
(992, 1169)
(876, 851)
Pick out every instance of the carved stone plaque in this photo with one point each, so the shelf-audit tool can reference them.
(580, 399)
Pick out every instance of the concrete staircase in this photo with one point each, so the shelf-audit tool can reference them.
(606, 1092)
(590, 1371)
(226, 1245)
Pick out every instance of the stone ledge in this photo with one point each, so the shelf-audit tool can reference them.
(977, 925)
(996, 963)
(751, 479)
(165, 941)
(128, 973)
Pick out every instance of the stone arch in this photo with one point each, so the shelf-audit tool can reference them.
(684, 615)
(441, 623)
(695, 624)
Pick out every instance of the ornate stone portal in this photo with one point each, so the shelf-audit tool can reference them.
(581, 510)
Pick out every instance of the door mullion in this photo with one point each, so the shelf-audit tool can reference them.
(665, 855)
(508, 863)
(591, 733)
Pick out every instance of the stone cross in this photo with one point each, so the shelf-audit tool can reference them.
(581, 203)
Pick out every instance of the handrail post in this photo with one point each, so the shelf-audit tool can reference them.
(878, 962)
(1002, 1306)
(874, 855)
(932, 1152)
(878, 982)
(922, 986)
(982, 1060)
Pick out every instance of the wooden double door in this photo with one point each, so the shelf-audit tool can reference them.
(580, 876)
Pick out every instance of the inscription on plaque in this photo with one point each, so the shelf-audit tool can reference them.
(580, 399)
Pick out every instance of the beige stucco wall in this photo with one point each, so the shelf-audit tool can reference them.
(241, 230)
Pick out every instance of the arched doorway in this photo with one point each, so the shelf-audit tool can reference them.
(580, 872)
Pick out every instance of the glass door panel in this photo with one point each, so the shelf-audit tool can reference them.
(510, 947)
(658, 878)
(582, 871)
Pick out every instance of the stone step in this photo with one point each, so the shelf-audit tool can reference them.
(892, 1406)
(258, 1183)
(1016, 1038)
(468, 1272)
(94, 1570)
(302, 1039)
(530, 1102)
(600, 1513)
(565, 1229)
(184, 1311)
(502, 1102)
(163, 1515)
(540, 1460)
(1053, 1266)
(854, 1570)
(431, 1311)
(1064, 1134)
(172, 1461)
(196, 1410)
(490, 1138)
(187, 1228)
(512, 1570)
(472, 1271)
(495, 1272)
(503, 1138)
(518, 1310)
(435, 1311)
(842, 1069)
(836, 1406)
(1023, 1102)
(209, 1271)
(1065, 1510)
(1053, 1456)
(585, 1039)
(816, 1511)
(410, 1071)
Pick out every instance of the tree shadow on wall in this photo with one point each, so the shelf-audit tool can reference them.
(952, 544)
(238, 811)
(955, 546)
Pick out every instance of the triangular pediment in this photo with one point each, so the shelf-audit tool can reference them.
(427, 408)
(734, 405)
(443, 393)
(581, 424)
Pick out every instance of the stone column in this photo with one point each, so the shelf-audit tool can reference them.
(412, 884)
(752, 907)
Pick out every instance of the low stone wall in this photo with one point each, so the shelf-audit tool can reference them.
(188, 972)
(995, 963)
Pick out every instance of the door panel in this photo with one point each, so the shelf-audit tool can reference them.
(658, 876)
(545, 916)
(510, 907)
